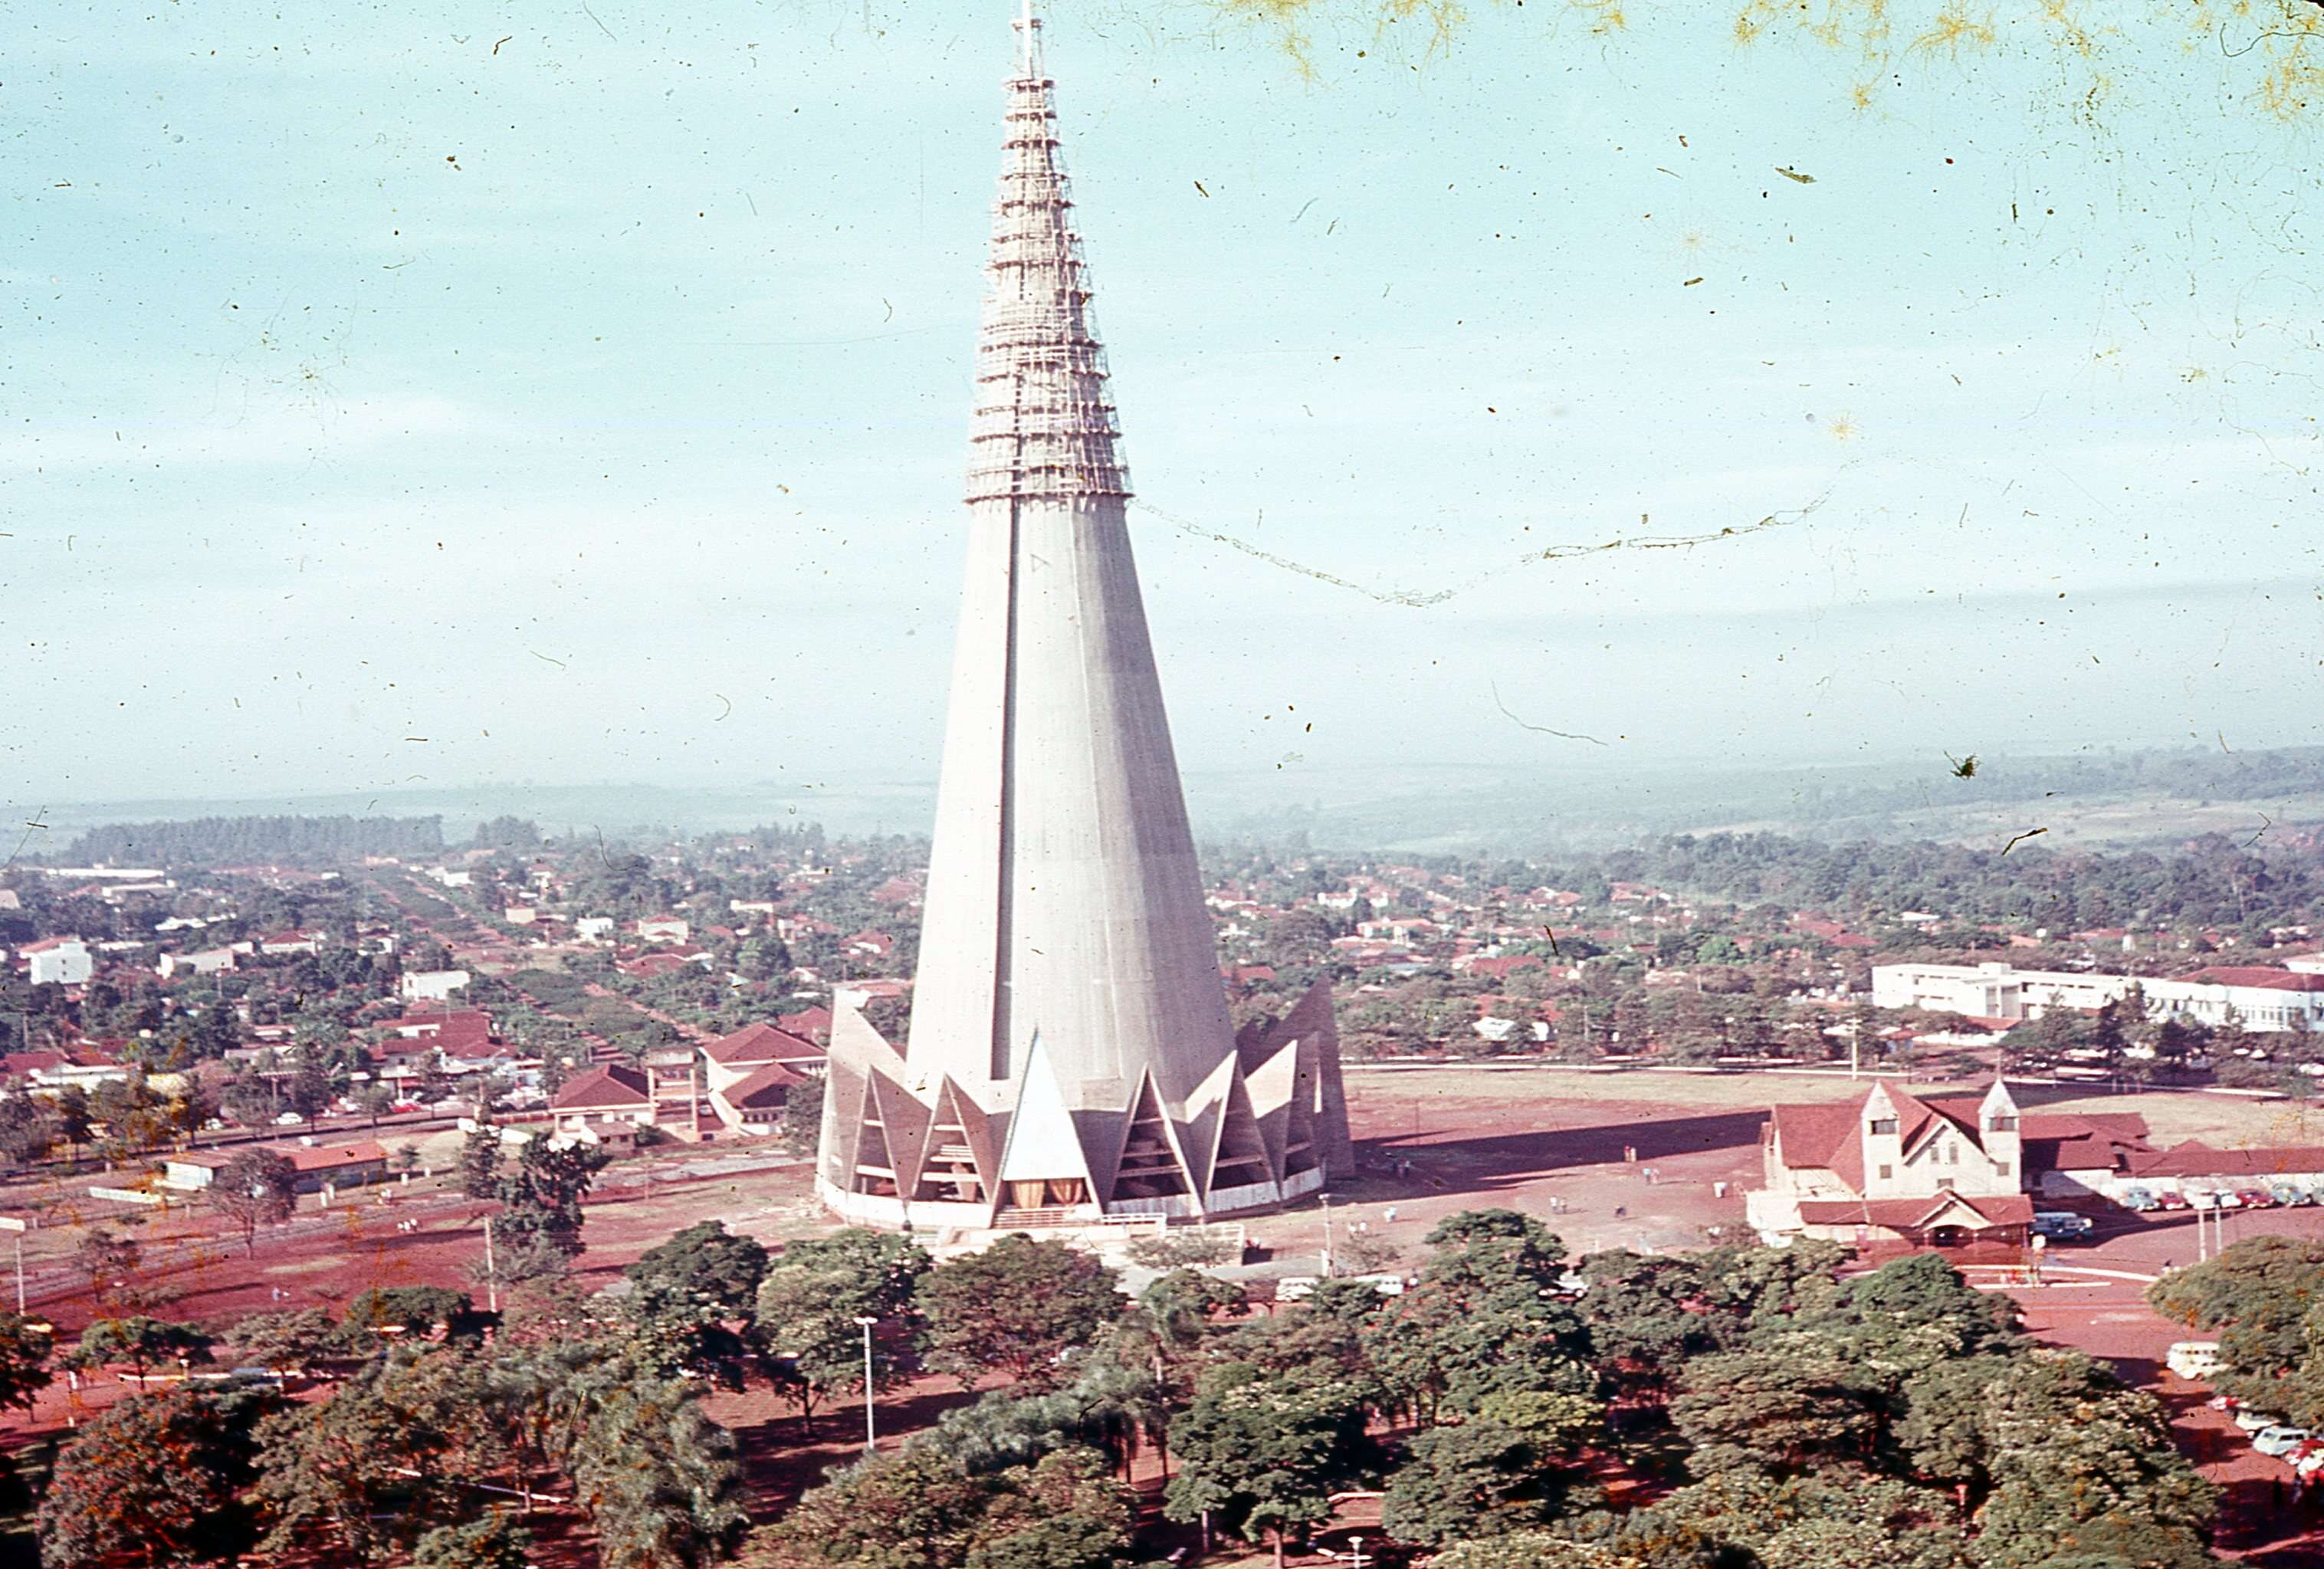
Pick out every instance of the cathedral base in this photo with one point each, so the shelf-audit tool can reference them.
(966, 1222)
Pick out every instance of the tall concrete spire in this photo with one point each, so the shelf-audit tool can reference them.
(1068, 1003)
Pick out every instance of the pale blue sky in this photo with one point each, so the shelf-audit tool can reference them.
(586, 394)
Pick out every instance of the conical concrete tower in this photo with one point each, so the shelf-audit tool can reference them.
(1068, 998)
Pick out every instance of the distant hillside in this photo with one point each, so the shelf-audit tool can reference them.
(2128, 799)
(239, 841)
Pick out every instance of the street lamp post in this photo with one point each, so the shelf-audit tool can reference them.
(871, 1434)
(1326, 1200)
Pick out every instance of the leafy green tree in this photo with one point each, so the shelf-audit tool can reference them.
(1020, 1306)
(479, 1164)
(1908, 1312)
(656, 1476)
(28, 1130)
(2257, 1294)
(541, 1196)
(1807, 1522)
(142, 1343)
(920, 1510)
(704, 1272)
(307, 1090)
(686, 1295)
(257, 1186)
(1645, 1315)
(1531, 1550)
(811, 1297)
(1111, 1404)
(1263, 1452)
(800, 1124)
(1774, 1411)
(2076, 1457)
(155, 1480)
(1940, 1430)
(384, 1313)
(24, 1354)
(370, 1469)
(251, 1099)
(285, 1341)
(494, 1541)
(1483, 1319)
(1507, 1468)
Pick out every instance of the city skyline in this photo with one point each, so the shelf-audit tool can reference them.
(364, 419)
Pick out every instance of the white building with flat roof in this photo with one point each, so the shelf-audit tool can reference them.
(2259, 996)
(57, 962)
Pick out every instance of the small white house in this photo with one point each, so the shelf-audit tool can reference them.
(595, 929)
(431, 986)
(204, 961)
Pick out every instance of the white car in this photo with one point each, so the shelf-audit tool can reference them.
(2194, 1359)
(2251, 1418)
(1293, 1288)
(2279, 1440)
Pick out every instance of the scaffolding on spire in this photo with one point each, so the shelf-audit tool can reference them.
(1045, 423)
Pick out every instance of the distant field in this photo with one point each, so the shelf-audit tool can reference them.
(2172, 1115)
(1502, 1086)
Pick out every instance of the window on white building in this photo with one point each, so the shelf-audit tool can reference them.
(1884, 1124)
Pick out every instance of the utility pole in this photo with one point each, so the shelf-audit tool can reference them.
(492, 1270)
(871, 1433)
(1326, 1199)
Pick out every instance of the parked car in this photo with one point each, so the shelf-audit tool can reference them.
(2140, 1199)
(2279, 1440)
(2289, 1192)
(2251, 1419)
(2167, 1199)
(2062, 1225)
(2255, 1197)
(2194, 1359)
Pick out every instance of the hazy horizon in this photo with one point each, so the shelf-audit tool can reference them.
(421, 406)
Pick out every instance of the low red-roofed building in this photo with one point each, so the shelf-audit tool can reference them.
(754, 1102)
(732, 1058)
(607, 1090)
(313, 1166)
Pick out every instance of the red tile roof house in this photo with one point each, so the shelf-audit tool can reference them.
(459, 1032)
(808, 1024)
(754, 1102)
(732, 1058)
(314, 1166)
(1892, 1168)
(609, 1090)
